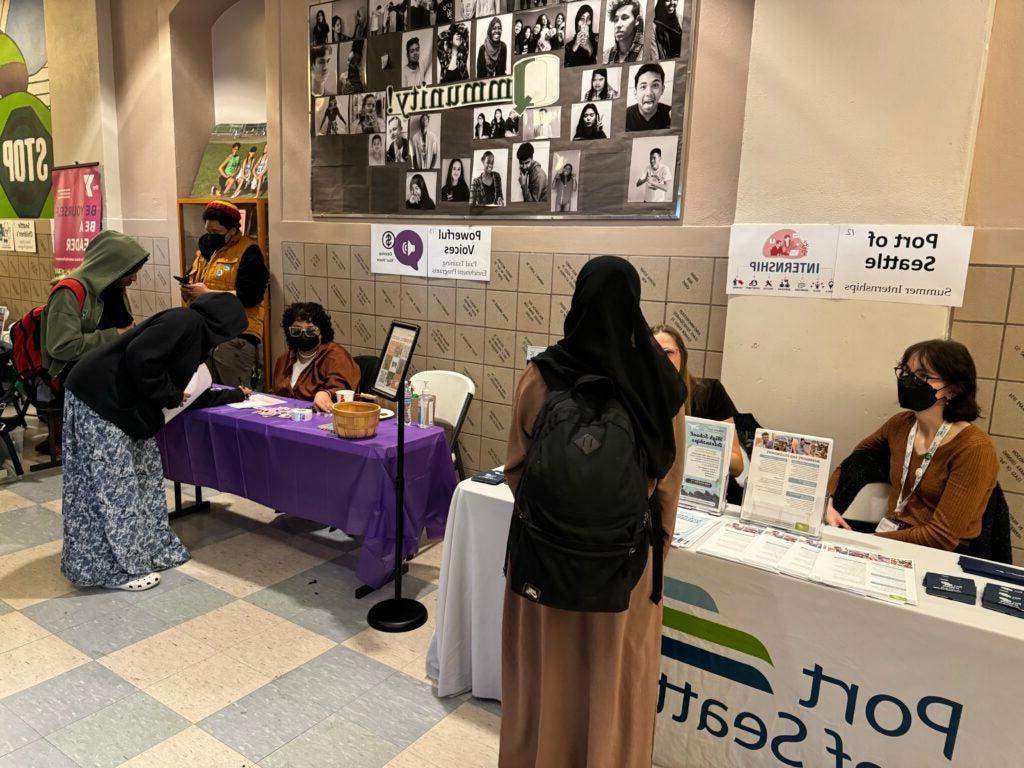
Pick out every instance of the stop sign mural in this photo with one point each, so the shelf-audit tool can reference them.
(26, 158)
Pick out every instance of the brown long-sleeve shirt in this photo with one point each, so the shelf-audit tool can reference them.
(331, 369)
(947, 507)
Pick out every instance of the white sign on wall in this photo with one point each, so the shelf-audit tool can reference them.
(6, 235)
(460, 253)
(25, 236)
(903, 263)
(782, 259)
(455, 253)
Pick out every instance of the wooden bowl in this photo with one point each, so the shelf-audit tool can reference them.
(356, 419)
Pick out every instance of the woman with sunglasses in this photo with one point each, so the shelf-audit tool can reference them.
(942, 468)
(314, 367)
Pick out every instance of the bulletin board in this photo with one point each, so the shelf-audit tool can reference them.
(499, 108)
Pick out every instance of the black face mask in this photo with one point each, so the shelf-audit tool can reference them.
(915, 394)
(303, 343)
(210, 243)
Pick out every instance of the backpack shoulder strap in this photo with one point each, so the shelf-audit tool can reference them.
(76, 288)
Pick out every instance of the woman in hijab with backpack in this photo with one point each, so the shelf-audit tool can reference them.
(581, 643)
(115, 511)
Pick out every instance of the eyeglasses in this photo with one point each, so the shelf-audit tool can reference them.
(902, 370)
(298, 333)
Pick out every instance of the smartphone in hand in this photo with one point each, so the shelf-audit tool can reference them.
(183, 279)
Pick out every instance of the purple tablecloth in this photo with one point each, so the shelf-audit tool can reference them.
(294, 467)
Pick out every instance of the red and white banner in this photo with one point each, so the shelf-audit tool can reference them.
(77, 213)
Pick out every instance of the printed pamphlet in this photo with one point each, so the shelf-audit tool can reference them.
(706, 469)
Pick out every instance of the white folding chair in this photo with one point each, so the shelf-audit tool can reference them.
(870, 504)
(453, 392)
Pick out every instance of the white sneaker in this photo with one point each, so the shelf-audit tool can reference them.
(140, 584)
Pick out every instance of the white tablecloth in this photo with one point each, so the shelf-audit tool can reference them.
(757, 641)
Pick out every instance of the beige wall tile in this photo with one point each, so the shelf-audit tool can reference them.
(388, 300)
(470, 446)
(492, 453)
(696, 363)
(691, 320)
(496, 421)
(1016, 504)
(339, 261)
(191, 748)
(986, 294)
(559, 309)
(716, 329)
(316, 290)
(474, 415)
(1016, 310)
(469, 343)
(471, 306)
(339, 295)
(501, 310)
(475, 371)
(1008, 410)
(1011, 363)
(566, 268)
(34, 662)
(986, 397)
(441, 341)
(524, 340)
(1011, 463)
(713, 366)
(534, 312)
(415, 300)
(1018, 556)
(718, 294)
(363, 295)
(294, 288)
(361, 263)
(653, 271)
(535, 272)
(292, 258)
(690, 280)
(504, 271)
(364, 331)
(441, 307)
(498, 385)
(500, 347)
(653, 311)
(315, 259)
(984, 340)
(383, 325)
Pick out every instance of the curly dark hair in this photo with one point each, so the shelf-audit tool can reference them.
(310, 312)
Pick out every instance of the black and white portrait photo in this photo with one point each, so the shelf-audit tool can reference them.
(473, 9)
(650, 96)
(424, 141)
(582, 38)
(330, 115)
(421, 191)
(668, 28)
(540, 30)
(565, 181)
(624, 32)
(652, 163)
(351, 67)
(396, 149)
(323, 70)
(320, 23)
(453, 51)
(530, 172)
(591, 120)
(494, 46)
(376, 151)
(367, 113)
(490, 177)
(543, 123)
(349, 20)
(417, 58)
(378, 17)
(495, 122)
(601, 84)
(455, 177)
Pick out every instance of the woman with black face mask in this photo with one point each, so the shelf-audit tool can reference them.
(314, 367)
(941, 467)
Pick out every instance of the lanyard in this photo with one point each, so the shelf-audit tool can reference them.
(943, 431)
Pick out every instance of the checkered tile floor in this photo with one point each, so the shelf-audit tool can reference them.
(255, 653)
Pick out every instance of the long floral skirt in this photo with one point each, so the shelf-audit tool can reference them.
(115, 509)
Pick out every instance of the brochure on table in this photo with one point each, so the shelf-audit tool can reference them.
(864, 572)
(705, 478)
(787, 485)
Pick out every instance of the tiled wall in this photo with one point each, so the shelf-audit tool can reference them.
(991, 324)
(151, 293)
(483, 329)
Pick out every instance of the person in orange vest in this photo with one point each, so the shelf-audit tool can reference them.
(230, 262)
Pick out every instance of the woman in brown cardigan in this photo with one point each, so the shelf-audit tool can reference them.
(942, 505)
(580, 689)
(314, 367)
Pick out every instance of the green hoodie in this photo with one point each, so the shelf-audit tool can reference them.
(66, 332)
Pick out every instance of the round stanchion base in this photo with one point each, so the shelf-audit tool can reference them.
(397, 615)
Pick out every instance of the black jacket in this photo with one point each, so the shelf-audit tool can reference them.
(130, 380)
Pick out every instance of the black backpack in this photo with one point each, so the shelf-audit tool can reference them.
(582, 523)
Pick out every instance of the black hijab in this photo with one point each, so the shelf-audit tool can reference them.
(607, 335)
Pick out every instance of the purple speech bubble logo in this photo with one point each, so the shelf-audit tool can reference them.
(408, 248)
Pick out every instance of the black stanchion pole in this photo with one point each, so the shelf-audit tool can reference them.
(398, 614)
